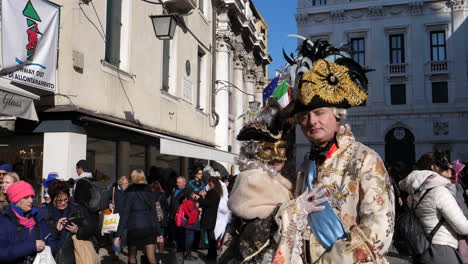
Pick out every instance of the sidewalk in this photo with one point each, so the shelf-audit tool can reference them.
(392, 257)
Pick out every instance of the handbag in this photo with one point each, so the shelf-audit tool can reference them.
(45, 257)
(110, 222)
(84, 252)
(159, 211)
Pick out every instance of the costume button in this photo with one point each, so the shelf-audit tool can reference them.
(368, 259)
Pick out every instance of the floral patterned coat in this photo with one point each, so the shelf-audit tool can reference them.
(360, 192)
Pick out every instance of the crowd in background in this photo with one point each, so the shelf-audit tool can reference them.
(154, 216)
(157, 215)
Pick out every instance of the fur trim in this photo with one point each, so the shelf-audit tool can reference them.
(256, 194)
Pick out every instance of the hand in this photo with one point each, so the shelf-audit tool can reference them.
(202, 193)
(159, 239)
(309, 201)
(111, 206)
(40, 245)
(72, 228)
(61, 223)
(117, 242)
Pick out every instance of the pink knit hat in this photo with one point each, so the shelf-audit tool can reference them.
(19, 190)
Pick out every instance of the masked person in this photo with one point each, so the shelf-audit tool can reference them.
(258, 190)
(357, 223)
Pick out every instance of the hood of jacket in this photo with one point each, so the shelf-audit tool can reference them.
(420, 180)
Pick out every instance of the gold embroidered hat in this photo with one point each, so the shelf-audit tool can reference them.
(325, 76)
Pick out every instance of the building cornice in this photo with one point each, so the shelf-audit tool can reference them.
(358, 11)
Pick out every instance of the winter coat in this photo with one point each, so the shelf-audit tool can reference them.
(196, 186)
(224, 214)
(210, 209)
(439, 202)
(65, 248)
(361, 195)
(15, 246)
(3, 201)
(176, 201)
(139, 211)
(82, 196)
(119, 198)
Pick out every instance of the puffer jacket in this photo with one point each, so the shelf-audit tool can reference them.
(439, 202)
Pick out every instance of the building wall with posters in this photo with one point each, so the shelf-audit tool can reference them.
(418, 91)
(124, 98)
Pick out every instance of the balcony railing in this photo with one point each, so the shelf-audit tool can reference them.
(397, 69)
(183, 6)
(438, 67)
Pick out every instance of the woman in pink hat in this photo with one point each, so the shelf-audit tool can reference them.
(24, 231)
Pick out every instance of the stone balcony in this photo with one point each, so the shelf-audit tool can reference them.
(395, 70)
(437, 67)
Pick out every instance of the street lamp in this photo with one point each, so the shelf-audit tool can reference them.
(254, 106)
(164, 26)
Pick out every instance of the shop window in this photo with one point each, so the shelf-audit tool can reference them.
(398, 94)
(439, 92)
(137, 157)
(102, 158)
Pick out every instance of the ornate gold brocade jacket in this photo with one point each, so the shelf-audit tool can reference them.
(359, 191)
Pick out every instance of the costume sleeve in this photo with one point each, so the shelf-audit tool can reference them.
(371, 235)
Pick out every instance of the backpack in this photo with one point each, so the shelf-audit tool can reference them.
(409, 237)
(99, 196)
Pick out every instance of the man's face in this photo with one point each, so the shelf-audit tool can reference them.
(2, 173)
(124, 185)
(319, 125)
(180, 183)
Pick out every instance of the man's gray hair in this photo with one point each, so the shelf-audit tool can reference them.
(340, 113)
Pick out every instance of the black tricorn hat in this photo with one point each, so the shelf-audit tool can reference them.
(325, 76)
(268, 124)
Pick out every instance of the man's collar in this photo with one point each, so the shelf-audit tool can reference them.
(320, 154)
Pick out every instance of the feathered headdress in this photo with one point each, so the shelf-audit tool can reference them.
(457, 167)
(266, 125)
(323, 75)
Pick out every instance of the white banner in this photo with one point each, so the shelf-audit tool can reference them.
(29, 42)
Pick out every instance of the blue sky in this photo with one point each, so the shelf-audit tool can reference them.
(279, 15)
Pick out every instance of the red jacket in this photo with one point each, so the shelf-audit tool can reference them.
(187, 214)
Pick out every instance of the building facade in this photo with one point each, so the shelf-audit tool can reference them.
(126, 100)
(418, 91)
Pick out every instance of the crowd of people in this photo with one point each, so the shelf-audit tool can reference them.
(340, 206)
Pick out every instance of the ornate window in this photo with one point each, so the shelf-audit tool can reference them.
(438, 46)
(359, 51)
(397, 49)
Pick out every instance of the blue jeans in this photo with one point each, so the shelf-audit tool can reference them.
(189, 237)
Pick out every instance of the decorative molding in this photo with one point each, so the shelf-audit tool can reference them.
(356, 13)
(250, 69)
(224, 39)
(440, 128)
(375, 11)
(302, 18)
(415, 8)
(457, 4)
(337, 15)
(240, 54)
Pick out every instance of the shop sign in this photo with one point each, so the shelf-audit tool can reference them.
(16, 105)
(29, 42)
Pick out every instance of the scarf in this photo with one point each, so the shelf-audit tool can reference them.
(24, 220)
(320, 154)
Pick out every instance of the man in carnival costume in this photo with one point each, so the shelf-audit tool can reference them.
(357, 223)
(259, 189)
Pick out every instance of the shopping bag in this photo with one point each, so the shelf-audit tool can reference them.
(44, 257)
(84, 252)
(110, 223)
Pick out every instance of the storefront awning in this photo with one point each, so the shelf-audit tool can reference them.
(17, 102)
(176, 146)
(193, 150)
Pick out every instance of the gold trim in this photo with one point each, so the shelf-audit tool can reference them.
(332, 83)
(257, 252)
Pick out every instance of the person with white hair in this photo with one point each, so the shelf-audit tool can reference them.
(357, 223)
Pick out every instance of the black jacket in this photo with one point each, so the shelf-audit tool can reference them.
(139, 212)
(119, 198)
(210, 209)
(65, 249)
(176, 201)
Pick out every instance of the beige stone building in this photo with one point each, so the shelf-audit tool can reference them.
(125, 99)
